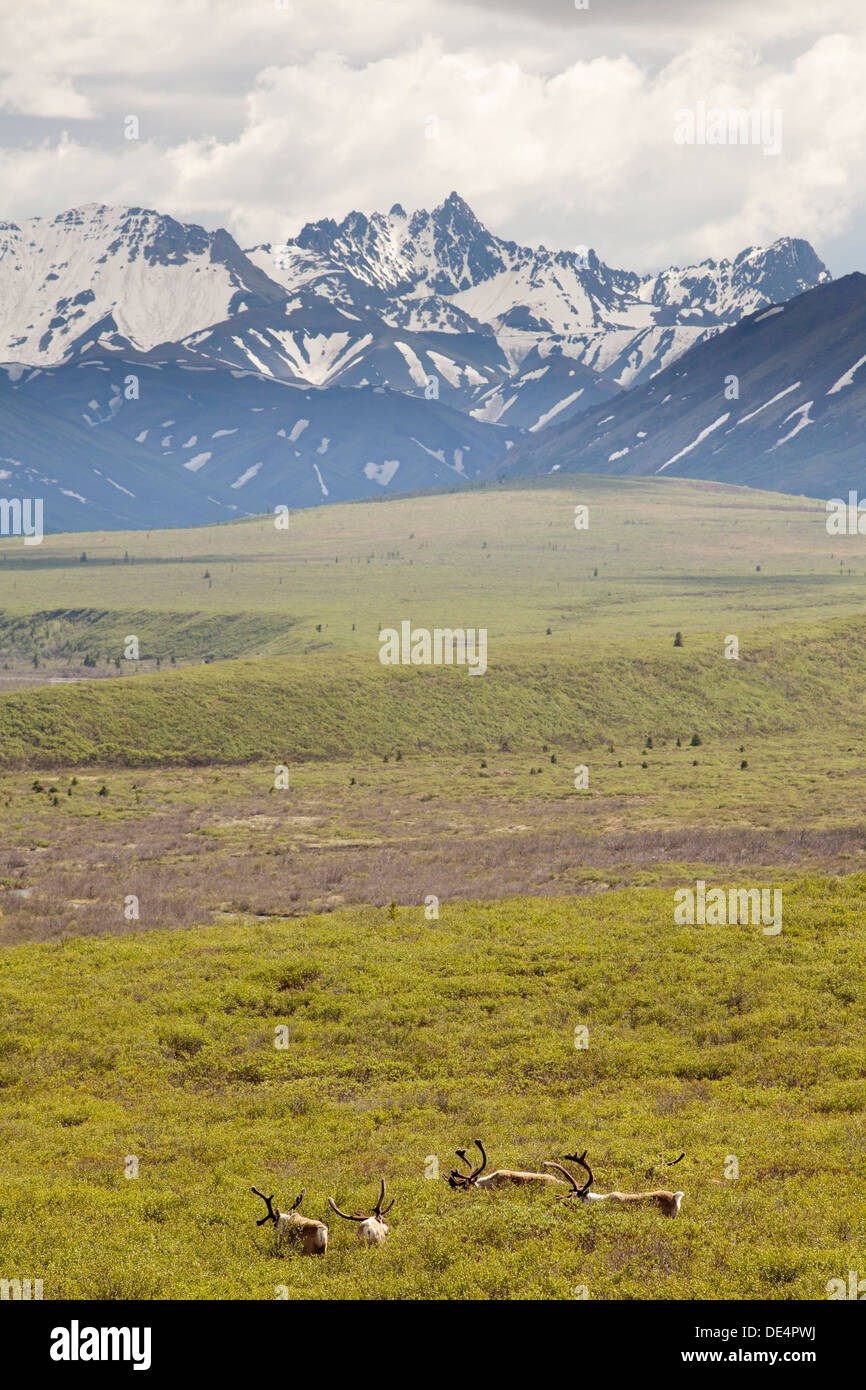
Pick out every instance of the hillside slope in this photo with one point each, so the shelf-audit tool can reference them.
(187, 451)
(282, 710)
(778, 401)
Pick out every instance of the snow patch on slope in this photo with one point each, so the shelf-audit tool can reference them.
(381, 473)
(847, 378)
(695, 442)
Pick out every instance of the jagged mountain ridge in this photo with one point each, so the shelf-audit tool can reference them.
(444, 270)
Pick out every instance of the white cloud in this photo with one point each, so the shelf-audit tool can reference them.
(42, 93)
(260, 119)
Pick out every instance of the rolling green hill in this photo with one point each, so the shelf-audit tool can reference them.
(580, 625)
(668, 554)
(285, 709)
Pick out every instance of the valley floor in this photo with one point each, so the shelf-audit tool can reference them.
(325, 1051)
(220, 959)
(202, 844)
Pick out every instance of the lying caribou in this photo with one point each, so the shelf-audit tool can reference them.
(502, 1177)
(668, 1202)
(372, 1229)
(312, 1234)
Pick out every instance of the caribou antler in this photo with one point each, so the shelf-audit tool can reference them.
(563, 1196)
(459, 1179)
(663, 1163)
(269, 1201)
(359, 1216)
(476, 1173)
(469, 1179)
(379, 1209)
(580, 1159)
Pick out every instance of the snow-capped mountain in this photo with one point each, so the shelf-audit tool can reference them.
(396, 351)
(159, 279)
(442, 271)
(778, 402)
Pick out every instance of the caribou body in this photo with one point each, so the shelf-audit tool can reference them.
(502, 1177)
(667, 1202)
(289, 1225)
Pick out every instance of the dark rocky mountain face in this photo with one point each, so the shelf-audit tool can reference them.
(778, 401)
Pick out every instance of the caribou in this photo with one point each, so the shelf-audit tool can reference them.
(668, 1202)
(502, 1177)
(312, 1234)
(372, 1229)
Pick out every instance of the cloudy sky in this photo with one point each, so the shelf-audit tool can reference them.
(556, 123)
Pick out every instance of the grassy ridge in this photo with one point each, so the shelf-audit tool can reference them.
(338, 707)
(406, 1039)
(658, 555)
(73, 633)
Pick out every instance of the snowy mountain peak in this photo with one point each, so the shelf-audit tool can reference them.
(506, 333)
(456, 211)
(160, 279)
(725, 291)
(791, 259)
(441, 251)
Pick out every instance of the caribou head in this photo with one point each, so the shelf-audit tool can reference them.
(372, 1229)
(578, 1193)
